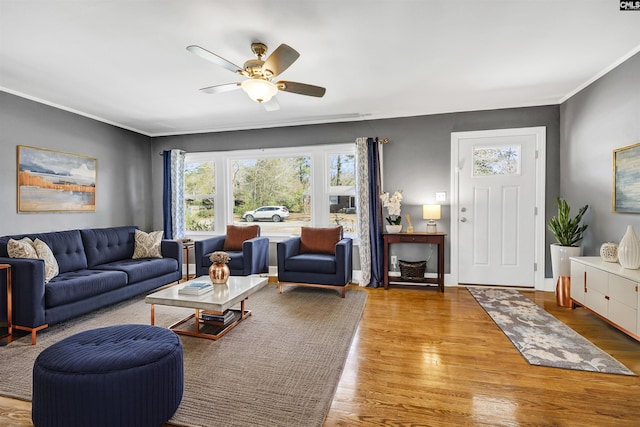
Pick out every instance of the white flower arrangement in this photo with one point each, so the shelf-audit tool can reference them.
(393, 206)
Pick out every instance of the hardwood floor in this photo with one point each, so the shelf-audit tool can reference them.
(423, 358)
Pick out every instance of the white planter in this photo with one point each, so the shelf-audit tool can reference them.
(629, 250)
(560, 263)
(394, 228)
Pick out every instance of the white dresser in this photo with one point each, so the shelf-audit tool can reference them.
(607, 290)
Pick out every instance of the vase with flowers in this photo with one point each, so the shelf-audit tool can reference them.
(219, 270)
(392, 203)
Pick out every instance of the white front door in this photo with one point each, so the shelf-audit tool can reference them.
(495, 207)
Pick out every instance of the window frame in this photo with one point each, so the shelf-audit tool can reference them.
(319, 181)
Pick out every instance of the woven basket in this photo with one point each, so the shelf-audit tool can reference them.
(412, 269)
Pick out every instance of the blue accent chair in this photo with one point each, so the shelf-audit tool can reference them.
(320, 270)
(252, 259)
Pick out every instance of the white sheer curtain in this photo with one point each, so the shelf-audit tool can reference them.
(362, 201)
(173, 194)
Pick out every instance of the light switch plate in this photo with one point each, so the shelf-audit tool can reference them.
(441, 196)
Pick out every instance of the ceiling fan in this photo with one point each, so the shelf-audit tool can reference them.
(259, 85)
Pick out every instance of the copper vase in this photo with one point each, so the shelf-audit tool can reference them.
(219, 273)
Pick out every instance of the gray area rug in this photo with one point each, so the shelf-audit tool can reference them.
(540, 337)
(279, 367)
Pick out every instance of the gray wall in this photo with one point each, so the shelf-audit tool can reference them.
(124, 178)
(599, 119)
(417, 159)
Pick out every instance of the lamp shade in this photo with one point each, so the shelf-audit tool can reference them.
(259, 90)
(431, 212)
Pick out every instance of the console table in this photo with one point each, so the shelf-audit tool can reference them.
(423, 238)
(608, 291)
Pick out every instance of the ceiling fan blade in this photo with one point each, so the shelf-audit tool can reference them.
(271, 105)
(210, 56)
(301, 88)
(280, 60)
(220, 88)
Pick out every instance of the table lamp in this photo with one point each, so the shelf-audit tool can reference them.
(431, 212)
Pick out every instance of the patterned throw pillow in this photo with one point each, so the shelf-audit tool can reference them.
(147, 245)
(22, 248)
(51, 269)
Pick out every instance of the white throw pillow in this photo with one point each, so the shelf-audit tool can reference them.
(147, 245)
(22, 248)
(51, 268)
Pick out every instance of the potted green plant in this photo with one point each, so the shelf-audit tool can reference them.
(568, 232)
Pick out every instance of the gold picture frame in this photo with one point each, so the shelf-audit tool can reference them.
(625, 193)
(53, 181)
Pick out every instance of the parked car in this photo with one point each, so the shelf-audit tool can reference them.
(267, 213)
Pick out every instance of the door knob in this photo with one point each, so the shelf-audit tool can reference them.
(463, 209)
(463, 219)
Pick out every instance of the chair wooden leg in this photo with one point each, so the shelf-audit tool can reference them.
(344, 289)
(280, 287)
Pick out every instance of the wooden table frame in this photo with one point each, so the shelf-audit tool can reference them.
(197, 332)
(424, 238)
(9, 334)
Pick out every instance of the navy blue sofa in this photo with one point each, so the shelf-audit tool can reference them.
(252, 259)
(96, 270)
(315, 269)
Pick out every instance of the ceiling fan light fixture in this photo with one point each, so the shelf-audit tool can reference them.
(259, 90)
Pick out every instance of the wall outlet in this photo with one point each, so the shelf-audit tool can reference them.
(394, 259)
(441, 196)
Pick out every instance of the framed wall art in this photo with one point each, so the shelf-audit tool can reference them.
(51, 181)
(626, 179)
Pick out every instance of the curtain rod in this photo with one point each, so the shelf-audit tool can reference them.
(383, 140)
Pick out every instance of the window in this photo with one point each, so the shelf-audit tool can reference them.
(279, 189)
(342, 190)
(199, 195)
(273, 191)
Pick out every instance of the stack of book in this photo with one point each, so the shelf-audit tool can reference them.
(220, 319)
(195, 288)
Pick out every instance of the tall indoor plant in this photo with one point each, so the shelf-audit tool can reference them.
(568, 232)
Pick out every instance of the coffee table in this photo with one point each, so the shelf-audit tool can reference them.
(215, 302)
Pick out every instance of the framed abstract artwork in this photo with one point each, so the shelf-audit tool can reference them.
(626, 179)
(51, 181)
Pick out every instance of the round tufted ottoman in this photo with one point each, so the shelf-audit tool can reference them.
(125, 375)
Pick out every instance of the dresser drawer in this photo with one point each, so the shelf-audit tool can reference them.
(623, 315)
(597, 280)
(596, 301)
(623, 290)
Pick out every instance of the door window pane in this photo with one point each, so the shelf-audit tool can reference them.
(503, 160)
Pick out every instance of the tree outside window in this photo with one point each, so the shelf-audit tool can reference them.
(199, 190)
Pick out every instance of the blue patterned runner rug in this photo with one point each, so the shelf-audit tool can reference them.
(540, 337)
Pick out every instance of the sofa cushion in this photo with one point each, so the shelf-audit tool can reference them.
(105, 245)
(317, 240)
(22, 248)
(311, 263)
(51, 268)
(81, 284)
(68, 249)
(147, 245)
(237, 234)
(141, 269)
